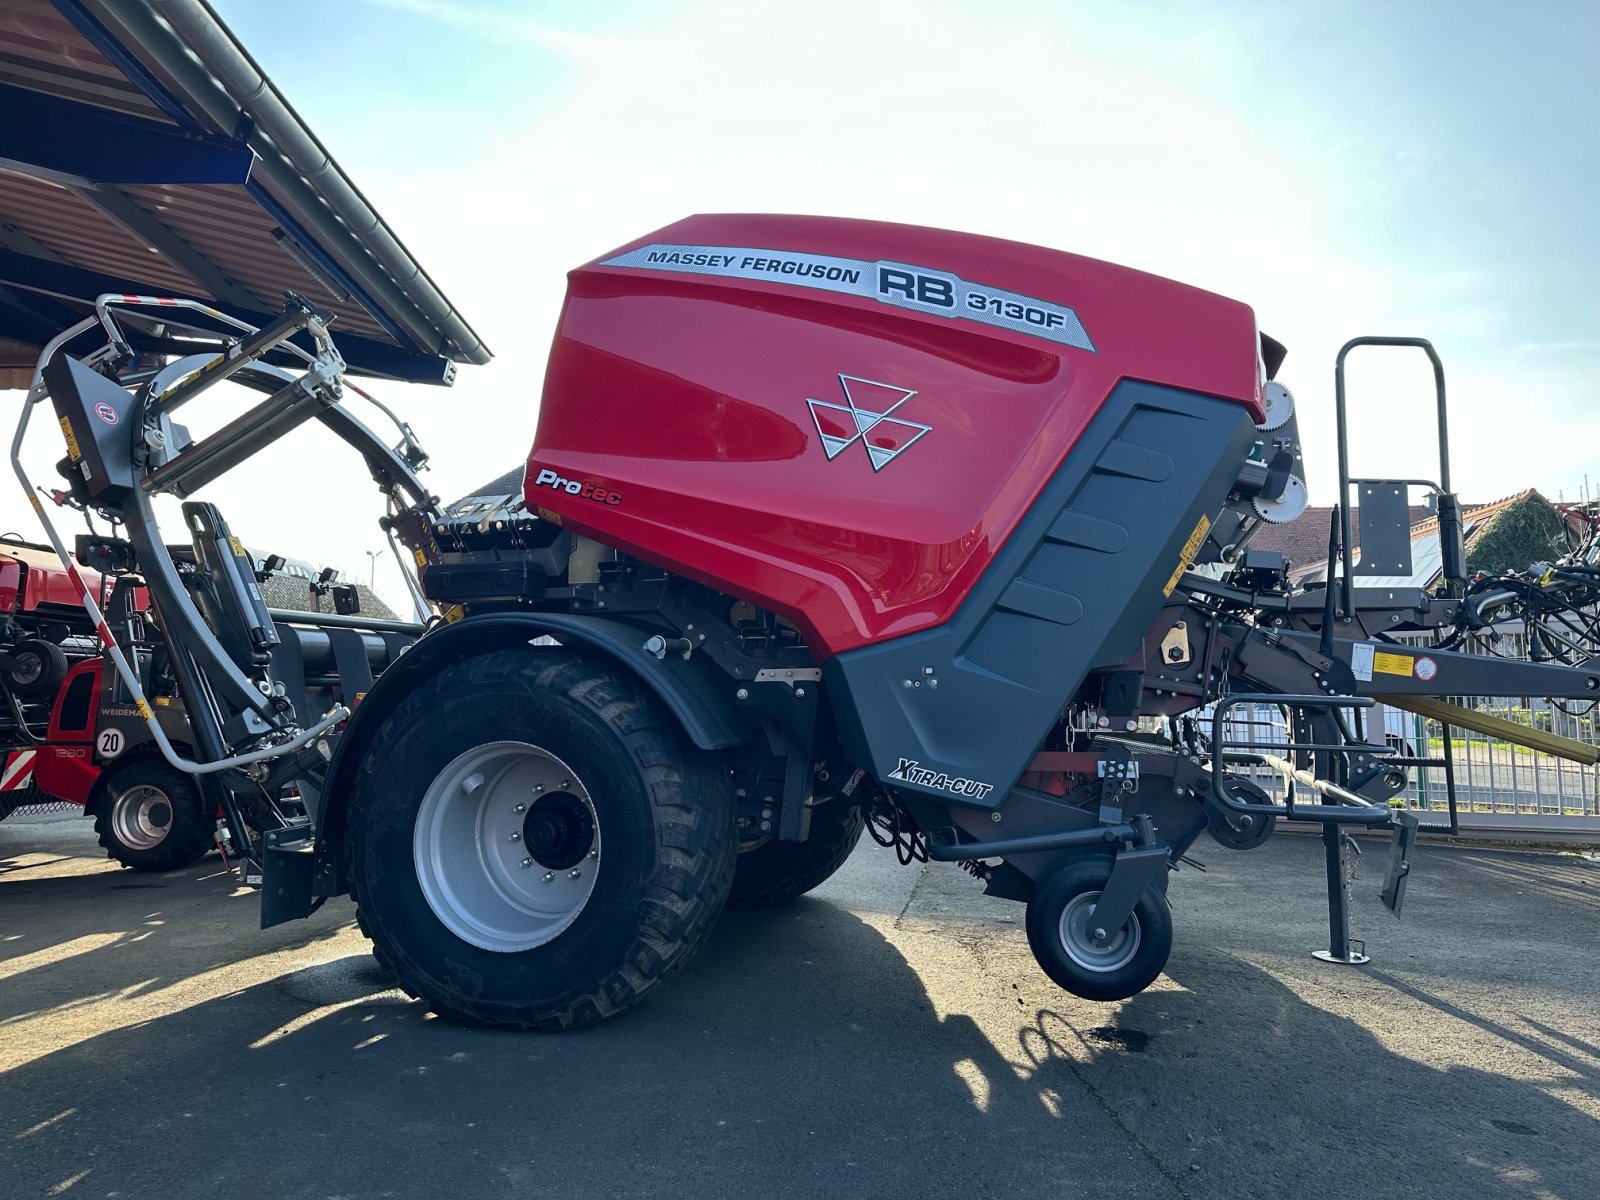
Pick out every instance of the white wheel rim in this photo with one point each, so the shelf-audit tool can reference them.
(1077, 928)
(141, 817)
(507, 846)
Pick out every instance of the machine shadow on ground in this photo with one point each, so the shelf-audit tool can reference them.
(1252, 1091)
(802, 1053)
(69, 940)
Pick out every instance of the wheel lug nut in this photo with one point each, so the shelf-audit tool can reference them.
(574, 873)
(565, 784)
(516, 837)
(549, 875)
(519, 808)
(538, 787)
(1099, 935)
(526, 863)
(595, 853)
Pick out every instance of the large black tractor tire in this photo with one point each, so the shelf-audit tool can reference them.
(149, 816)
(777, 872)
(533, 842)
(1060, 928)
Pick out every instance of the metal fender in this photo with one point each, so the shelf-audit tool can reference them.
(707, 712)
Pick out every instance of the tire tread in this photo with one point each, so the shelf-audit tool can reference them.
(773, 879)
(695, 852)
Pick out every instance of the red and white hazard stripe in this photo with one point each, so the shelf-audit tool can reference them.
(164, 301)
(18, 772)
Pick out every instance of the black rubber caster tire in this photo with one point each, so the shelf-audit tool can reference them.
(777, 872)
(39, 671)
(149, 816)
(1111, 973)
(659, 811)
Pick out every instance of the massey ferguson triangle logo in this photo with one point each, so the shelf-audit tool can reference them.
(866, 416)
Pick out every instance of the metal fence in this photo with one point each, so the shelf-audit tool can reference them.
(47, 806)
(22, 797)
(37, 807)
(1502, 789)
(1492, 776)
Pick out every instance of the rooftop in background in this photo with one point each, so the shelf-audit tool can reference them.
(1303, 542)
(143, 150)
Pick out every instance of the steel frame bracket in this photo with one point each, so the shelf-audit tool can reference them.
(1132, 871)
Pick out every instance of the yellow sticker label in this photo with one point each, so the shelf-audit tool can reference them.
(453, 614)
(72, 442)
(1385, 663)
(144, 710)
(422, 559)
(546, 515)
(238, 547)
(163, 701)
(1190, 549)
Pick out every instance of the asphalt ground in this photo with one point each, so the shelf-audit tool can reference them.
(889, 1036)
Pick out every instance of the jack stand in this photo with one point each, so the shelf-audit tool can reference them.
(1341, 949)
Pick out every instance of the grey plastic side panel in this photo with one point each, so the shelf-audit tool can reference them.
(1075, 587)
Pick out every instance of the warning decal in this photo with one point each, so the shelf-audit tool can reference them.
(1186, 556)
(72, 442)
(1387, 663)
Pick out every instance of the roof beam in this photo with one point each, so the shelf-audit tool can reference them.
(24, 322)
(23, 242)
(65, 141)
(365, 356)
(143, 225)
(203, 67)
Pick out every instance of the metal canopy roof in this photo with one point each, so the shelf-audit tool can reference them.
(143, 150)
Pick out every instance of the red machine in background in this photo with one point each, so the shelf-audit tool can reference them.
(72, 734)
(58, 744)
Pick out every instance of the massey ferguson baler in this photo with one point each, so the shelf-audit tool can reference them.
(827, 525)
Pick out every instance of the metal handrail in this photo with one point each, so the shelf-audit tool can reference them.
(125, 671)
(1347, 551)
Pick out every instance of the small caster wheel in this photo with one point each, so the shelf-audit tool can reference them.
(1063, 935)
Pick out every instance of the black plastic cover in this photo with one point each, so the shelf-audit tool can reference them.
(93, 414)
(957, 712)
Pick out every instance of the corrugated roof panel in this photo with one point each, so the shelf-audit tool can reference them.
(225, 225)
(171, 63)
(42, 51)
(82, 235)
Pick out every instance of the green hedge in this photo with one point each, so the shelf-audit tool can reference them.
(1527, 532)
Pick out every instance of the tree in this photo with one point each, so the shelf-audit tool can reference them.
(1525, 532)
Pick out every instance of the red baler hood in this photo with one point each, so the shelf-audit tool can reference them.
(842, 420)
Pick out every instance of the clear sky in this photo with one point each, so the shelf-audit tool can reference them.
(1345, 168)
